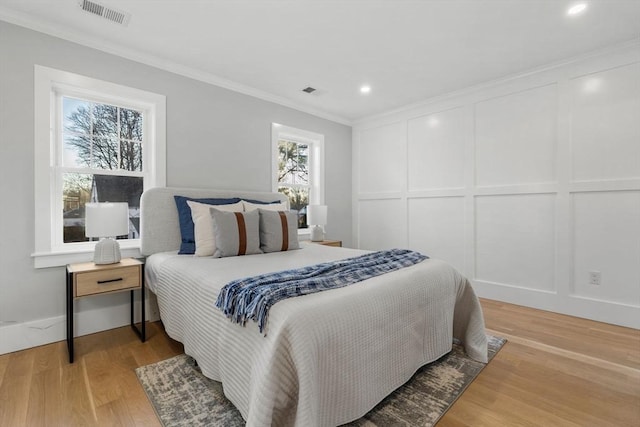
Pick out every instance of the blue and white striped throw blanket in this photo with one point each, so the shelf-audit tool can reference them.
(251, 298)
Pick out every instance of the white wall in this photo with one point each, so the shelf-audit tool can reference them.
(525, 185)
(215, 138)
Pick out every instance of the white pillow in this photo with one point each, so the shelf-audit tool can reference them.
(203, 225)
(248, 206)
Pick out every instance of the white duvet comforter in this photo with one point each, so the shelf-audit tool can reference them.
(327, 358)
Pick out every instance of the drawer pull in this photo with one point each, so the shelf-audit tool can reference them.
(119, 279)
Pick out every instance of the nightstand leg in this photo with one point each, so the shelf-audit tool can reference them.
(133, 319)
(144, 323)
(142, 331)
(70, 315)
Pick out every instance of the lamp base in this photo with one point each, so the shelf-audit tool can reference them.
(107, 251)
(317, 234)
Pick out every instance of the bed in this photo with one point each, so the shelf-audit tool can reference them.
(327, 358)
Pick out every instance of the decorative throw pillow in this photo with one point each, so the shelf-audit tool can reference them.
(236, 233)
(203, 225)
(188, 244)
(278, 230)
(280, 206)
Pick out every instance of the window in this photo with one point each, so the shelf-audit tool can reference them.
(94, 142)
(298, 168)
(101, 161)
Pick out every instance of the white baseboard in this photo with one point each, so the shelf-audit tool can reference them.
(571, 305)
(20, 336)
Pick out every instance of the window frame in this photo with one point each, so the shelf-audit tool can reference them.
(315, 141)
(50, 85)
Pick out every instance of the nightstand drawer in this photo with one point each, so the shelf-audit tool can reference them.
(100, 281)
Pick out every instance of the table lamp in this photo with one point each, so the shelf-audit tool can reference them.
(317, 216)
(106, 221)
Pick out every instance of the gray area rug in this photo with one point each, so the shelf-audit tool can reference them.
(182, 396)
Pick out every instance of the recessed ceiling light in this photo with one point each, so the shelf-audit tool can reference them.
(576, 9)
(365, 89)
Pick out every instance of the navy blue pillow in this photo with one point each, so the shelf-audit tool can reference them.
(188, 244)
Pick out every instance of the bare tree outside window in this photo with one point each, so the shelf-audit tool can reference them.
(293, 176)
(101, 136)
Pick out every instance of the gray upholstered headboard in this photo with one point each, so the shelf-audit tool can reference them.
(159, 226)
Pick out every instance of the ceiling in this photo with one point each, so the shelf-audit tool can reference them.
(407, 51)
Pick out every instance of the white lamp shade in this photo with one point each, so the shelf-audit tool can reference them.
(106, 219)
(317, 215)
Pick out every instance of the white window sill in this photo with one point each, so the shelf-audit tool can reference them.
(62, 258)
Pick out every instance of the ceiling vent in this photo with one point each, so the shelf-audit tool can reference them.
(309, 89)
(105, 12)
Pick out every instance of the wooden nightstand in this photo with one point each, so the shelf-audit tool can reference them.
(336, 243)
(87, 279)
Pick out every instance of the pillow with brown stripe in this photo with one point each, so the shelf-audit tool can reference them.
(236, 233)
(278, 230)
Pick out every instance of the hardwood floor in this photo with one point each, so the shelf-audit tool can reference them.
(38, 387)
(555, 371)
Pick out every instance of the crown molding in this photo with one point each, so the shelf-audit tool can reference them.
(39, 25)
(629, 44)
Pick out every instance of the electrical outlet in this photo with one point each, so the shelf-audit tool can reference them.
(595, 278)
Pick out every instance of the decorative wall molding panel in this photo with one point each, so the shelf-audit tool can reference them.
(529, 186)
